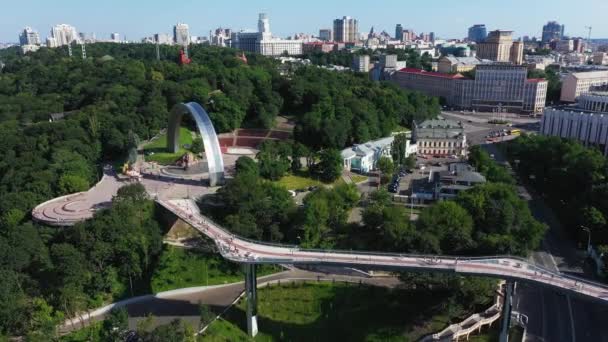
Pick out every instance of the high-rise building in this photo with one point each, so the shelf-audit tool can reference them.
(552, 31)
(361, 63)
(263, 24)
(115, 37)
(63, 34)
(181, 34)
(499, 46)
(399, 32)
(477, 33)
(29, 37)
(579, 45)
(163, 38)
(263, 42)
(346, 30)
(326, 35)
(432, 37)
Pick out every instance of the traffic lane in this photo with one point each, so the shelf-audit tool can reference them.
(590, 320)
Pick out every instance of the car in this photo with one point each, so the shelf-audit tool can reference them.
(293, 193)
(402, 174)
(469, 121)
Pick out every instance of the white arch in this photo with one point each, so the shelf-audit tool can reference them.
(213, 151)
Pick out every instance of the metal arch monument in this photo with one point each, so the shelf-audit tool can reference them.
(213, 151)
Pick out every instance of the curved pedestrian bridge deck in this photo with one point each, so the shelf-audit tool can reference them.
(242, 250)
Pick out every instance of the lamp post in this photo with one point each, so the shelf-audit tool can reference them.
(588, 238)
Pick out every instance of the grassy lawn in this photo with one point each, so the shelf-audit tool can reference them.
(358, 178)
(179, 268)
(303, 180)
(159, 148)
(337, 312)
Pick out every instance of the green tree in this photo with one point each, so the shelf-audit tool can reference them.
(246, 165)
(451, 224)
(197, 145)
(115, 325)
(69, 184)
(330, 165)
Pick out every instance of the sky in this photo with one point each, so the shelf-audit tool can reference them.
(447, 18)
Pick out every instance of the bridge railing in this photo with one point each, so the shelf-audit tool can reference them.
(484, 259)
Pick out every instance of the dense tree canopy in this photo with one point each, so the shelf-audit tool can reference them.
(571, 176)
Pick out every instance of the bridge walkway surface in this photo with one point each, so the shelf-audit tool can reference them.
(246, 251)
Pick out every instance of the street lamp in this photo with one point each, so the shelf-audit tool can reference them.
(588, 238)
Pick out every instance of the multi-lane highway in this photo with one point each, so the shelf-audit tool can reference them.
(241, 250)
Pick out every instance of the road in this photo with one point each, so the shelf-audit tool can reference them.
(553, 316)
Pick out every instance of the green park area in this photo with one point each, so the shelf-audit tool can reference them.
(156, 150)
(303, 180)
(179, 268)
(339, 312)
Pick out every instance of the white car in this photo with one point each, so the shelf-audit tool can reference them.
(293, 193)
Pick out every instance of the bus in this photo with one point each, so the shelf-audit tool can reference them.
(515, 132)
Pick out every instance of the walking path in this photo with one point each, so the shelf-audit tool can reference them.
(241, 250)
(184, 303)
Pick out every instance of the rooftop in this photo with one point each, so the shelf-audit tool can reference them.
(430, 73)
(590, 74)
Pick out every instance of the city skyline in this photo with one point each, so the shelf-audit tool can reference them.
(449, 20)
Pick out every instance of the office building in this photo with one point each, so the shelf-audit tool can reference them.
(579, 45)
(181, 34)
(326, 35)
(587, 121)
(163, 39)
(63, 34)
(477, 33)
(318, 47)
(346, 30)
(220, 37)
(600, 58)
(578, 83)
(440, 137)
(496, 87)
(29, 37)
(451, 64)
(552, 31)
(565, 45)
(263, 42)
(115, 37)
(361, 63)
(399, 32)
(499, 47)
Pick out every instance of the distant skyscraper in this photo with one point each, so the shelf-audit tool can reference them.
(29, 37)
(346, 30)
(115, 37)
(326, 35)
(552, 31)
(399, 32)
(264, 24)
(499, 47)
(63, 34)
(163, 38)
(477, 33)
(432, 37)
(181, 34)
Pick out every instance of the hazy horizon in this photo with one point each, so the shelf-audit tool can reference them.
(448, 19)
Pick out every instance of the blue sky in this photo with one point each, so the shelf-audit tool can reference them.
(447, 18)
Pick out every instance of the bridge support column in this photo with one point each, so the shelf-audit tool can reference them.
(251, 292)
(507, 307)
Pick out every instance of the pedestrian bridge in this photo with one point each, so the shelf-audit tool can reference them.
(241, 250)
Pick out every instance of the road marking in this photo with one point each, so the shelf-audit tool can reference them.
(571, 319)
